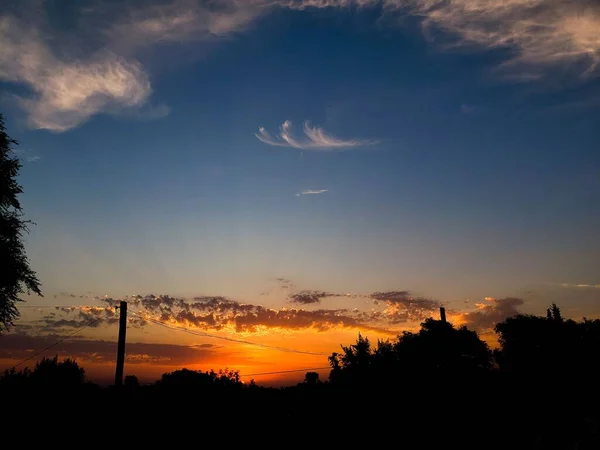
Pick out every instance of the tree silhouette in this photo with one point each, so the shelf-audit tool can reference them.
(549, 345)
(185, 377)
(13, 378)
(52, 372)
(226, 377)
(16, 277)
(556, 313)
(198, 379)
(311, 378)
(131, 381)
(437, 349)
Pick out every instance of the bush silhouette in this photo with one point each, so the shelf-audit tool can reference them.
(438, 349)
(52, 372)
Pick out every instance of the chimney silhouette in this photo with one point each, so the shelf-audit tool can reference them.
(442, 314)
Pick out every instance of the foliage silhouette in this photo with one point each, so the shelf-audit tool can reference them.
(197, 379)
(436, 350)
(48, 372)
(51, 371)
(16, 277)
(12, 378)
(131, 381)
(435, 388)
(549, 346)
(311, 378)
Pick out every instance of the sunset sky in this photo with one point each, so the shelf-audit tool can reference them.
(268, 178)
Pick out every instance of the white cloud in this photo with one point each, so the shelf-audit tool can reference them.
(542, 35)
(311, 192)
(542, 38)
(67, 89)
(184, 20)
(66, 92)
(315, 138)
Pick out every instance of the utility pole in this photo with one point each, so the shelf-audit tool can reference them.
(442, 314)
(121, 344)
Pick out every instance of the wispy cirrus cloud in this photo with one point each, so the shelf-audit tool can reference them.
(181, 21)
(70, 84)
(66, 92)
(311, 192)
(543, 35)
(315, 138)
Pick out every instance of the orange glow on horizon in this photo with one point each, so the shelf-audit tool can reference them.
(274, 351)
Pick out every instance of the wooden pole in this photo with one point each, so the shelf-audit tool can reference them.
(121, 344)
(442, 314)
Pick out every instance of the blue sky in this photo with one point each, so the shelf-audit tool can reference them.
(450, 149)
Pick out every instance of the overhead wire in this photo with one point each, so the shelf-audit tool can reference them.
(186, 330)
(283, 371)
(241, 341)
(89, 324)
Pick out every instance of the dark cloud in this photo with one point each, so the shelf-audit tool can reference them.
(214, 313)
(152, 302)
(78, 317)
(284, 283)
(490, 313)
(405, 299)
(20, 346)
(217, 312)
(199, 321)
(309, 297)
(402, 307)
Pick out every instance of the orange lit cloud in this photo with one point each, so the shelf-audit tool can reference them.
(219, 313)
(488, 314)
(214, 313)
(252, 338)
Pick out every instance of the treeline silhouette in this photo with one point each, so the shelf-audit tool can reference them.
(439, 387)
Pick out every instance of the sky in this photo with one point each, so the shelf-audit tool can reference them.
(264, 179)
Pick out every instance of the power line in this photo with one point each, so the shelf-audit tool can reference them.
(58, 342)
(241, 341)
(282, 371)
